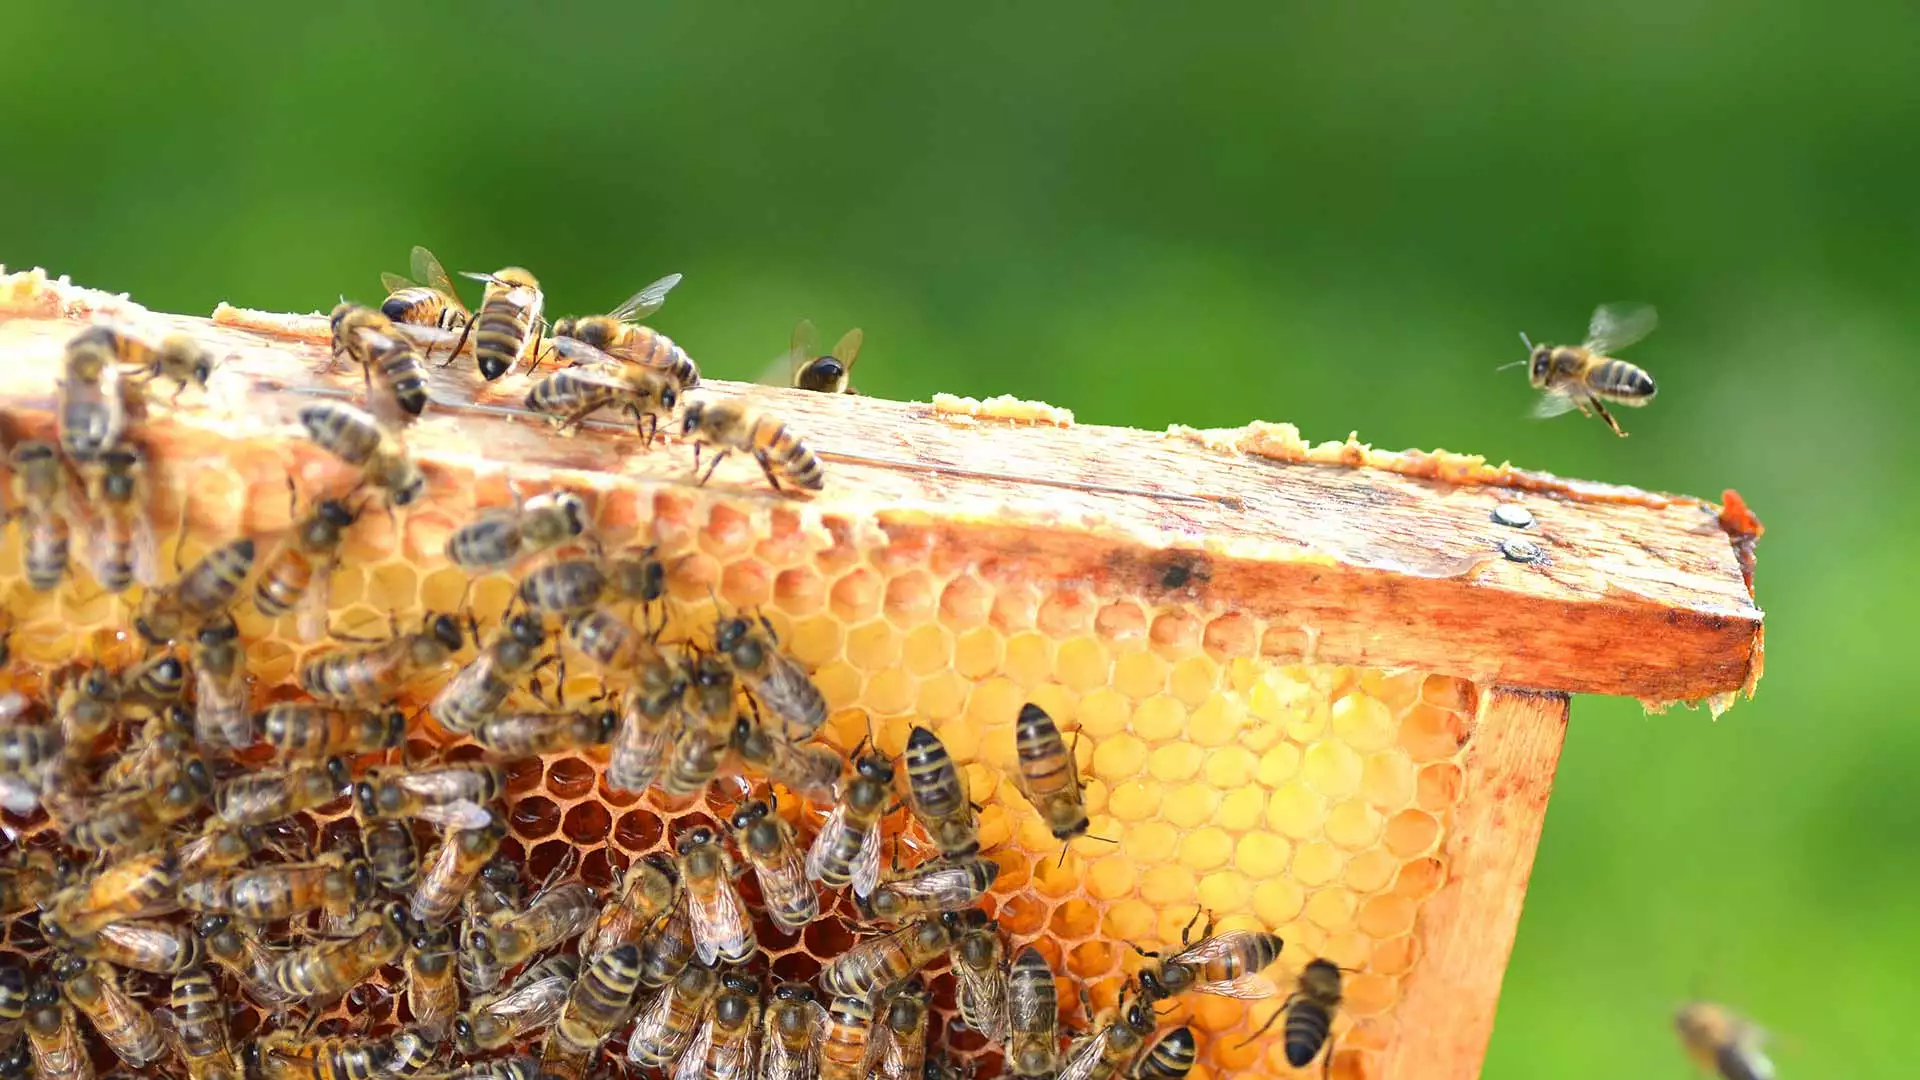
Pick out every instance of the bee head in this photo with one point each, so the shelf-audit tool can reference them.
(575, 510)
(446, 630)
(690, 420)
(751, 812)
(217, 633)
(698, 836)
(566, 328)
(1540, 365)
(335, 513)
(210, 926)
(821, 373)
(340, 312)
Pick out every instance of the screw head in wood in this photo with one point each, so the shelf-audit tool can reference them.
(1520, 551)
(1512, 515)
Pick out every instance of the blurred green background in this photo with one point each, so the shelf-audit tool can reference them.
(1151, 213)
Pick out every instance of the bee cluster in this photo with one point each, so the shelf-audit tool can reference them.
(185, 876)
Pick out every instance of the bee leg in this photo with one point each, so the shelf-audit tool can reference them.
(717, 459)
(1187, 930)
(1607, 416)
(1086, 1004)
(766, 466)
(465, 330)
(1271, 1020)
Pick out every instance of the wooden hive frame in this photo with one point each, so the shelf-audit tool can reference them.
(1249, 545)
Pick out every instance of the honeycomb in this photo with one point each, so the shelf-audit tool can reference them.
(1309, 799)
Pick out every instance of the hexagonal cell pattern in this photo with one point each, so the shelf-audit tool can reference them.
(1310, 800)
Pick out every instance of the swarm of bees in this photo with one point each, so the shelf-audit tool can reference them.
(178, 884)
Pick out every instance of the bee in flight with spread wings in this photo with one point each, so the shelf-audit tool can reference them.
(1585, 376)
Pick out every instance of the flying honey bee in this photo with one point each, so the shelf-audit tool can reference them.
(1104, 1055)
(1033, 1011)
(177, 358)
(1049, 776)
(768, 842)
(872, 965)
(428, 299)
(529, 1006)
(259, 797)
(937, 795)
(847, 848)
(778, 684)
(220, 715)
(667, 1021)
(620, 335)
(120, 543)
(571, 394)
(723, 1048)
(596, 1006)
(453, 795)
(372, 673)
(53, 1036)
(40, 501)
(125, 1025)
(553, 917)
(809, 369)
(302, 731)
(1171, 1057)
(91, 407)
(357, 438)
(809, 769)
(942, 885)
(458, 862)
(481, 687)
(722, 932)
(532, 734)
(507, 325)
(331, 967)
(648, 890)
(730, 426)
(1228, 964)
(433, 991)
(846, 1043)
(901, 1035)
(300, 570)
(501, 537)
(371, 340)
(1719, 1041)
(202, 591)
(283, 890)
(1585, 376)
(199, 1017)
(979, 961)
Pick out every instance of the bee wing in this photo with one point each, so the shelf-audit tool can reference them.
(1552, 404)
(934, 884)
(580, 354)
(1246, 987)
(18, 795)
(716, 919)
(146, 552)
(734, 1059)
(458, 814)
(1616, 326)
(428, 271)
(801, 346)
(311, 621)
(787, 872)
(1082, 1057)
(646, 301)
(693, 1062)
(987, 994)
(424, 337)
(866, 865)
(394, 283)
(778, 1063)
(823, 841)
(12, 704)
(849, 348)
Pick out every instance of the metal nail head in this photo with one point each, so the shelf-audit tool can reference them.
(1512, 515)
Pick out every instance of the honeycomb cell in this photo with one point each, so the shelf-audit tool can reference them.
(1364, 723)
(1332, 768)
(1440, 786)
(1110, 878)
(1064, 613)
(1139, 675)
(977, 652)
(1262, 855)
(1450, 694)
(1190, 805)
(1074, 920)
(1174, 632)
(1134, 801)
(1176, 761)
(889, 693)
(1331, 908)
(1121, 621)
(1386, 916)
(1223, 890)
(1411, 833)
(542, 860)
(587, 823)
(1168, 885)
(1014, 606)
(569, 778)
(1430, 734)
(534, 817)
(1242, 809)
(613, 797)
(1279, 765)
(1056, 878)
(1370, 870)
(1230, 768)
(927, 648)
(1022, 914)
(1278, 901)
(1296, 811)
(1028, 660)
(1159, 718)
(1395, 957)
(638, 831)
(855, 597)
(597, 868)
(1420, 879)
(746, 585)
(1193, 680)
(1369, 994)
(1091, 959)
(965, 602)
(1354, 824)
(873, 646)
(942, 695)
(1316, 863)
(799, 591)
(1119, 758)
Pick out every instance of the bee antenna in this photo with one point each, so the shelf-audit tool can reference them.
(1525, 340)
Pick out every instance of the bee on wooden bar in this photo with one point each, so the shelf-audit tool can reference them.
(177, 358)
(202, 591)
(454, 795)
(831, 373)
(620, 335)
(53, 1036)
(1104, 1055)
(507, 325)
(874, 964)
(303, 731)
(120, 543)
(199, 1017)
(371, 340)
(847, 848)
(529, 1006)
(501, 537)
(845, 1046)
(1033, 1011)
(1718, 1040)
(373, 673)
(299, 572)
(91, 407)
(979, 961)
(666, 1023)
(937, 795)
(768, 842)
(1171, 1057)
(596, 1006)
(40, 499)
(428, 299)
(1228, 964)
(942, 885)
(455, 865)
(332, 967)
(124, 1024)
(221, 719)
(649, 889)
(357, 438)
(481, 687)
(1584, 376)
(725, 1042)
(777, 683)
(808, 769)
(730, 426)
(571, 394)
(267, 795)
(553, 917)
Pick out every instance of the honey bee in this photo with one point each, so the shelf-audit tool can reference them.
(283, 890)
(565, 587)
(777, 683)
(369, 674)
(53, 1037)
(157, 681)
(218, 846)
(494, 894)
(392, 854)
(1584, 376)
(204, 590)
(721, 929)
(300, 569)
(1033, 1011)
(458, 862)
(901, 1036)
(667, 1021)
(86, 704)
(847, 848)
(177, 358)
(143, 945)
(28, 750)
(126, 1026)
(32, 879)
(1228, 964)
(845, 1045)
(499, 538)
(520, 1067)
(280, 1055)
(767, 841)
(1105, 1054)
(221, 719)
(730, 426)
(596, 1005)
(302, 731)
(723, 1048)
(120, 543)
(530, 1005)
(828, 374)
(243, 956)
(433, 993)
(259, 797)
(937, 795)
(453, 795)
(357, 438)
(429, 299)
(199, 1018)
(1049, 776)
(806, 768)
(790, 1032)
(1170, 1057)
(371, 340)
(533, 734)
(646, 729)
(694, 757)
(871, 966)
(553, 917)
(620, 335)
(483, 685)
(943, 885)
(571, 394)
(331, 967)
(606, 640)
(979, 962)
(506, 327)
(1720, 1042)
(666, 949)
(39, 501)
(139, 817)
(158, 748)
(648, 890)
(91, 406)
